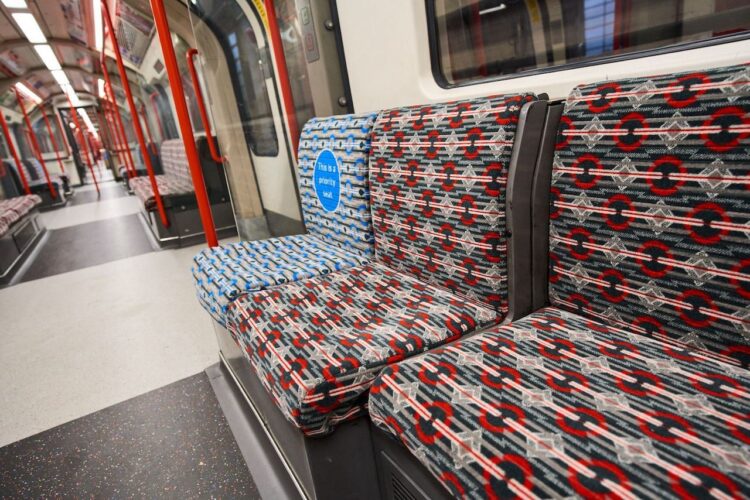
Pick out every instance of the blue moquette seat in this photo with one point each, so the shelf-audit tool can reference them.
(335, 197)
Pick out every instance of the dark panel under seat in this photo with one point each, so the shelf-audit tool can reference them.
(18, 243)
(340, 465)
(185, 227)
(24, 234)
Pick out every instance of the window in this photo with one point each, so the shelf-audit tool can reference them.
(43, 137)
(478, 39)
(249, 67)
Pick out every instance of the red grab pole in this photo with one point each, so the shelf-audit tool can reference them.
(286, 87)
(152, 98)
(134, 114)
(82, 142)
(54, 142)
(14, 153)
(62, 132)
(35, 145)
(148, 128)
(129, 164)
(178, 93)
(191, 53)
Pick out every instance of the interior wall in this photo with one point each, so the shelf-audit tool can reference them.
(387, 53)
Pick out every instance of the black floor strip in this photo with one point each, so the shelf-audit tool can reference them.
(76, 247)
(108, 192)
(172, 442)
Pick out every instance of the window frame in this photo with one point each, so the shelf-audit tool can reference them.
(439, 77)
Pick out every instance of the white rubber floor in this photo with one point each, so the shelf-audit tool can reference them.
(77, 342)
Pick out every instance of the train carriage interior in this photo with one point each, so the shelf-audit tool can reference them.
(402, 250)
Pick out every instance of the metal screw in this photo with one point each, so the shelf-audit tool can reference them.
(342, 101)
(328, 24)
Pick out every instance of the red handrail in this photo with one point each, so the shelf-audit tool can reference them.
(178, 93)
(81, 140)
(191, 53)
(284, 83)
(54, 142)
(134, 114)
(14, 153)
(129, 164)
(152, 97)
(35, 144)
(148, 128)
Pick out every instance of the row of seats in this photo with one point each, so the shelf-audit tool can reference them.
(626, 375)
(14, 209)
(12, 184)
(175, 180)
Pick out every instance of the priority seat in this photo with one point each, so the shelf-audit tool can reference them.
(632, 380)
(338, 237)
(438, 177)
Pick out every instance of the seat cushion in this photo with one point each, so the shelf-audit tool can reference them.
(316, 345)
(555, 405)
(650, 208)
(4, 226)
(141, 187)
(12, 209)
(222, 273)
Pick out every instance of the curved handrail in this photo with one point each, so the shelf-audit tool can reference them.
(35, 144)
(191, 53)
(178, 94)
(14, 153)
(134, 114)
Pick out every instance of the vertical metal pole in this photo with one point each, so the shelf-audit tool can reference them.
(82, 141)
(284, 83)
(178, 93)
(54, 142)
(110, 91)
(14, 153)
(191, 53)
(35, 145)
(134, 114)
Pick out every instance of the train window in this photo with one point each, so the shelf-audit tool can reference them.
(165, 117)
(249, 67)
(43, 137)
(479, 39)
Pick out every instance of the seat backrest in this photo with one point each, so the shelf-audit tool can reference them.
(175, 165)
(438, 175)
(33, 169)
(10, 186)
(650, 213)
(333, 183)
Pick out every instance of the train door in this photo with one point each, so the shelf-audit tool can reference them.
(245, 97)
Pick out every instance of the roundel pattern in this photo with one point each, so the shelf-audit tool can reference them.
(650, 212)
(614, 417)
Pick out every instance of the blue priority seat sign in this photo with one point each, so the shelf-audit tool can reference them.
(327, 180)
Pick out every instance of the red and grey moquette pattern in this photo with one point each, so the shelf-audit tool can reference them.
(437, 180)
(175, 180)
(559, 406)
(629, 385)
(651, 210)
(438, 176)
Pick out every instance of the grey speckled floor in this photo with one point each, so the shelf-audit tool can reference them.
(172, 442)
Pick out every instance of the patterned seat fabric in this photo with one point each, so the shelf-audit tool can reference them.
(337, 237)
(317, 345)
(176, 179)
(635, 379)
(12, 209)
(221, 274)
(437, 178)
(556, 406)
